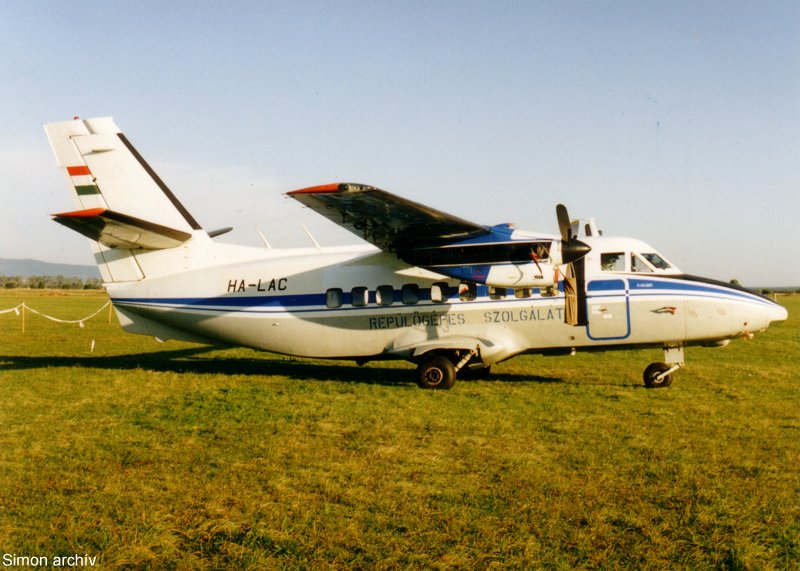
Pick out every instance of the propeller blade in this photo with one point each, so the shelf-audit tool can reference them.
(580, 286)
(575, 311)
(564, 225)
(570, 297)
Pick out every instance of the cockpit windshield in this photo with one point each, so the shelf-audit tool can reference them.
(634, 262)
(657, 261)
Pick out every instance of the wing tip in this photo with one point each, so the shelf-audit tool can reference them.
(89, 213)
(333, 188)
(321, 189)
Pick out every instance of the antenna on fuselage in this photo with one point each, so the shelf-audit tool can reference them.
(308, 233)
(263, 239)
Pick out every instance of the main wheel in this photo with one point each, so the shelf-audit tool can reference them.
(436, 373)
(651, 372)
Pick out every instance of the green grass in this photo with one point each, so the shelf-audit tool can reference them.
(178, 456)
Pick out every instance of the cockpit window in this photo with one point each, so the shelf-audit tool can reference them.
(657, 261)
(649, 263)
(639, 265)
(613, 261)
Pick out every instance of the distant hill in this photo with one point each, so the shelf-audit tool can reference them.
(26, 268)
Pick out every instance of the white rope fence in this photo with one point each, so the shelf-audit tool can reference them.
(22, 307)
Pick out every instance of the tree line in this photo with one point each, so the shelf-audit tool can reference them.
(50, 282)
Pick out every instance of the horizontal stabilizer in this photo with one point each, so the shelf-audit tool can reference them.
(219, 232)
(117, 230)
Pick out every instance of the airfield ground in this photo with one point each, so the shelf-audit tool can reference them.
(177, 456)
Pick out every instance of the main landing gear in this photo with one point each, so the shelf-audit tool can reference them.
(438, 371)
(659, 375)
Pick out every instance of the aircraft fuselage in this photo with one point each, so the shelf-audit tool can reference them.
(360, 303)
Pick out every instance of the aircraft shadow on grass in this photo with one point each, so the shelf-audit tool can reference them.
(191, 361)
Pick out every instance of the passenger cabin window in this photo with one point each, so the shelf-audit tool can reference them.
(549, 291)
(359, 296)
(333, 298)
(440, 292)
(612, 262)
(384, 295)
(497, 292)
(467, 291)
(409, 294)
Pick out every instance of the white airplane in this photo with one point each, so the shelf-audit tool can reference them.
(449, 295)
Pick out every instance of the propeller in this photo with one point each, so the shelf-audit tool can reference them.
(573, 252)
(564, 225)
(572, 249)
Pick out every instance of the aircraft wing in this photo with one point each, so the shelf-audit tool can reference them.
(390, 222)
(424, 237)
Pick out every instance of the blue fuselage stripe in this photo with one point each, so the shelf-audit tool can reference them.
(317, 301)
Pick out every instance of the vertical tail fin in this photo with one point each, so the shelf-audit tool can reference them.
(123, 206)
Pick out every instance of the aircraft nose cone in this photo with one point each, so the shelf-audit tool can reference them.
(574, 250)
(766, 315)
(779, 313)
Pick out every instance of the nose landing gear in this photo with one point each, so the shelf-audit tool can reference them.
(659, 375)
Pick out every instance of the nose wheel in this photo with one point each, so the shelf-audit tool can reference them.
(659, 375)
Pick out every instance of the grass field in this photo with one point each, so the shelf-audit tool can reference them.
(177, 456)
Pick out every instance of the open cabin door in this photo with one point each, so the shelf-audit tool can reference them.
(608, 306)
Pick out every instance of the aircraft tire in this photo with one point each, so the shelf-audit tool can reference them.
(653, 370)
(436, 372)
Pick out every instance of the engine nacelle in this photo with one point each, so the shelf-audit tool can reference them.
(555, 256)
(521, 275)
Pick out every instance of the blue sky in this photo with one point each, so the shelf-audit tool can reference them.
(674, 122)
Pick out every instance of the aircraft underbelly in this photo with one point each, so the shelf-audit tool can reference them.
(502, 329)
